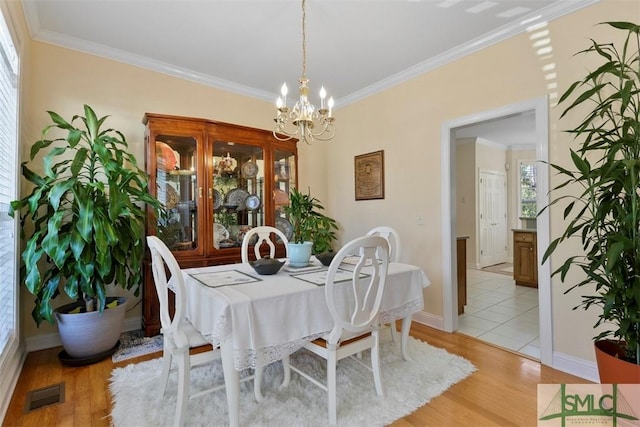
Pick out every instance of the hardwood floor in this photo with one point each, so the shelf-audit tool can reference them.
(502, 392)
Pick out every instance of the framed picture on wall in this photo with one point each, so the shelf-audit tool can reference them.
(369, 175)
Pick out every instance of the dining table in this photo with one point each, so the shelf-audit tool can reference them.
(257, 319)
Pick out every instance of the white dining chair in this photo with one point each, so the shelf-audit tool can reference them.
(179, 335)
(395, 247)
(354, 307)
(264, 237)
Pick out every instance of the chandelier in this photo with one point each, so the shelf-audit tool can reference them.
(303, 120)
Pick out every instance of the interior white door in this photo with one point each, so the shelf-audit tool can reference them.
(492, 198)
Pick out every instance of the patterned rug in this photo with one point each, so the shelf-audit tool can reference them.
(134, 344)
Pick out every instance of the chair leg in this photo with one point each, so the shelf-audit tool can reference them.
(375, 364)
(166, 369)
(331, 386)
(257, 381)
(394, 332)
(184, 383)
(287, 372)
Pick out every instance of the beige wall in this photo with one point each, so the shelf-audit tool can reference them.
(63, 80)
(489, 157)
(404, 121)
(466, 207)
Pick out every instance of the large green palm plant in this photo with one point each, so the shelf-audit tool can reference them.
(87, 212)
(605, 215)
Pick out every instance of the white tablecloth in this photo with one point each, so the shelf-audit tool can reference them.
(275, 315)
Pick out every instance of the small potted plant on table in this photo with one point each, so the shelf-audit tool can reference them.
(313, 231)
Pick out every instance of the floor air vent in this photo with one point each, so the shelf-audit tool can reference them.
(51, 395)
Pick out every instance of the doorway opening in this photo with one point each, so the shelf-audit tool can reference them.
(539, 108)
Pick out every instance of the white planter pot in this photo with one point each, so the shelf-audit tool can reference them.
(85, 335)
(300, 253)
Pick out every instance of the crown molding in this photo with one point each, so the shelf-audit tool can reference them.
(150, 64)
(554, 11)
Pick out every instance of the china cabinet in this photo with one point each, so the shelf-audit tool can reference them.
(525, 258)
(216, 181)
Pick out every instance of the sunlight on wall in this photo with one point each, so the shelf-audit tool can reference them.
(540, 37)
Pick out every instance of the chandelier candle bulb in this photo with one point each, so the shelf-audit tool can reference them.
(284, 92)
(330, 104)
(323, 94)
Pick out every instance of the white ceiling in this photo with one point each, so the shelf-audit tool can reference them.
(354, 48)
(517, 131)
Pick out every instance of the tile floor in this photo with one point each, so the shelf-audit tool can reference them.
(501, 313)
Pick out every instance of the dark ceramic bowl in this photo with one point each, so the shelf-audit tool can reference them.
(266, 266)
(326, 257)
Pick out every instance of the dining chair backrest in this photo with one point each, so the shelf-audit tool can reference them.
(355, 307)
(392, 237)
(264, 236)
(161, 260)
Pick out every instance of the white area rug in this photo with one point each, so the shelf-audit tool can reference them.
(134, 344)
(408, 386)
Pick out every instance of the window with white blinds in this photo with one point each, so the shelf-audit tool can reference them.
(8, 185)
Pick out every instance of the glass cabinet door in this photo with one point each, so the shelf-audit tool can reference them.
(238, 190)
(177, 186)
(284, 178)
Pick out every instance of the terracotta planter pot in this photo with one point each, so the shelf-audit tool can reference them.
(613, 370)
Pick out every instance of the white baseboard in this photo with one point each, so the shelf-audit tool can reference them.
(575, 366)
(428, 319)
(41, 342)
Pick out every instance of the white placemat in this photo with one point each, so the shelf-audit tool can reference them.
(215, 279)
(320, 277)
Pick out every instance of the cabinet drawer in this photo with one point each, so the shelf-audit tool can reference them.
(524, 237)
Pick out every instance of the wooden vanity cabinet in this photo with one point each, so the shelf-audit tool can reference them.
(525, 258)
(216, 180)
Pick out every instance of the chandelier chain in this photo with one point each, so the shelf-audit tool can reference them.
(303, 120)
(304, 40)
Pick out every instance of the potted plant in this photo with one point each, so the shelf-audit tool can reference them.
(85, 216)
(313, 232)
(605, 213)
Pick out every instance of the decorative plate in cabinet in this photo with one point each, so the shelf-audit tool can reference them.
(237, 197)
(217, 199)
(252, 202)
(285, 226)
(249, 169)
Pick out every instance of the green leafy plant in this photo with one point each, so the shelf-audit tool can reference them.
(87, 212)
(309, 223)
(605, 215)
